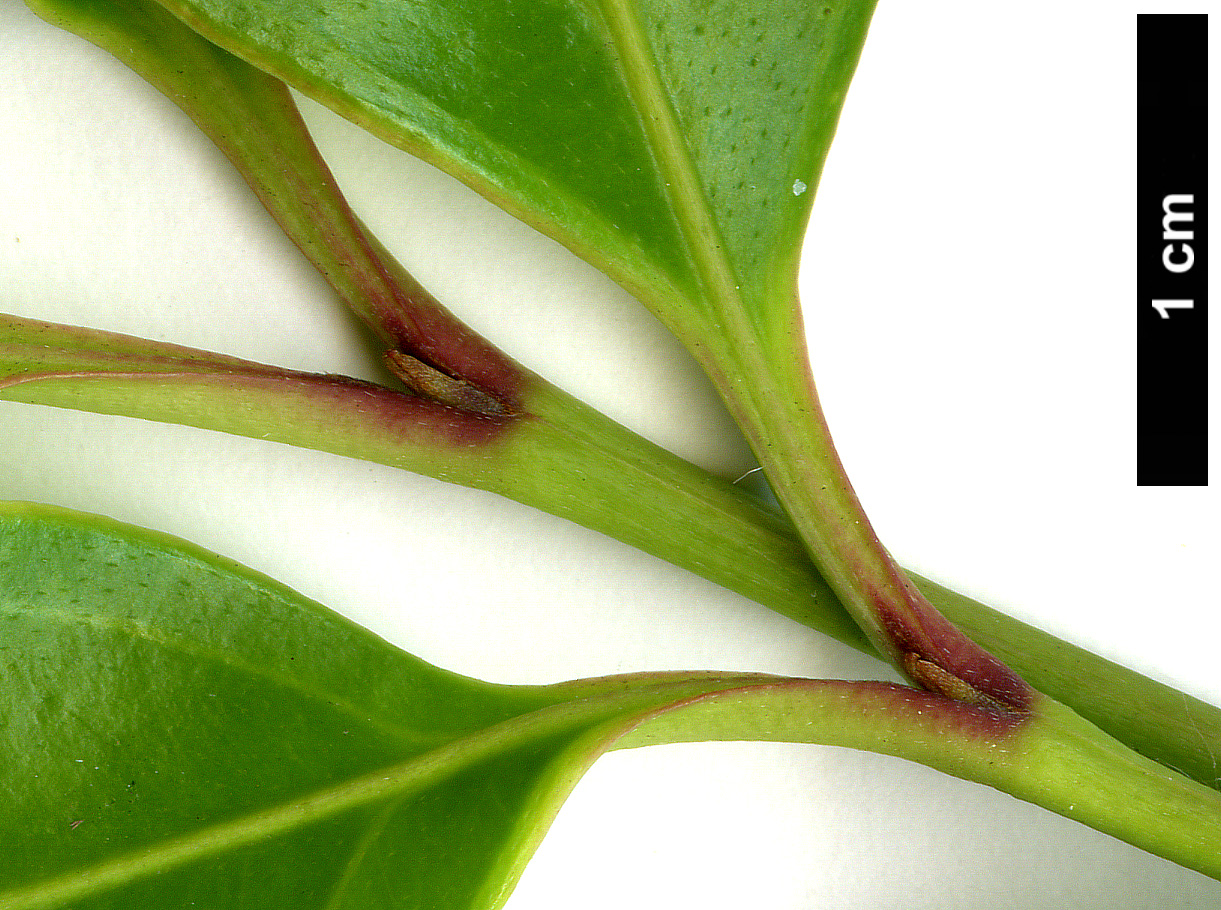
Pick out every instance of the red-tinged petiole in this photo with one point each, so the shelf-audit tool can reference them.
(252, 118)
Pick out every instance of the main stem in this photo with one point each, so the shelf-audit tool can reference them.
(628, 488)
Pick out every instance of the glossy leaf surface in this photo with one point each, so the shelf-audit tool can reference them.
(26, 424)
(182, 732)
(650, 137)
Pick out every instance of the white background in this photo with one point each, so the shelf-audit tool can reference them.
(969, 284)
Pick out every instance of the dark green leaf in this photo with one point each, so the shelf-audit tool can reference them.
(675, 145)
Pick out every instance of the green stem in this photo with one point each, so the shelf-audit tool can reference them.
(566, 458)
(604, 477)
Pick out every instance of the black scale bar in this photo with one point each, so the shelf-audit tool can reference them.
(1172, 250)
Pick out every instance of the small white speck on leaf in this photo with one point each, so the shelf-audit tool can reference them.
(798, 187)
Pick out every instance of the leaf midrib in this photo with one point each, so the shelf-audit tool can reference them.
(729, 342)
(681, 179)
(395, 781)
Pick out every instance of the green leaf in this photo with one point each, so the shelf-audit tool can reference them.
(673, 145)
(179, 729)
(479, 80)
(181, 732)
(98, 438)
